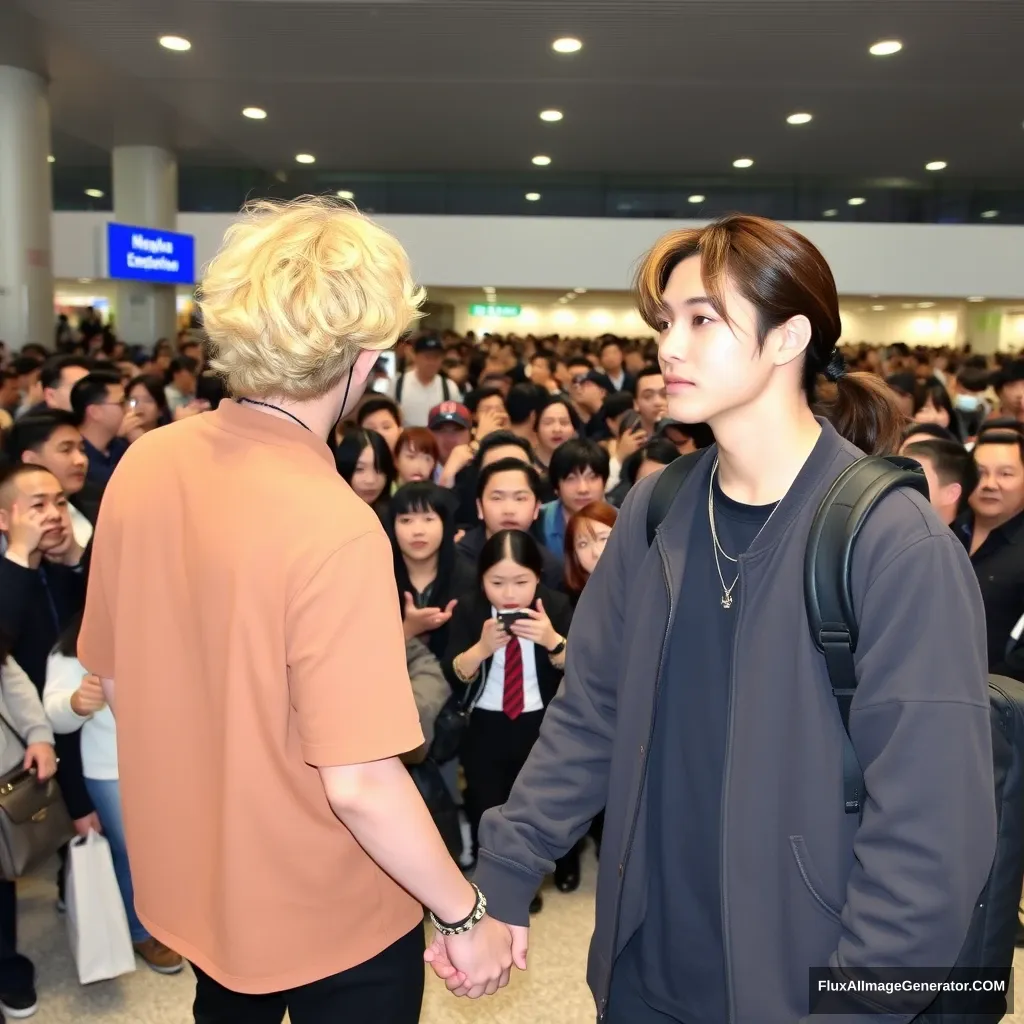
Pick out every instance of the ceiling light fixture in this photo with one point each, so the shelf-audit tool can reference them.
(305, 158)
(177, 43)
(344, 193)
(94, 193)
(254, 113)
(567, 44)
(990, 214)
(85, 280)
(532, 197)
(696, 199)
(800, 118)
(936, 165)
(831, 213)
(856, 201)
(878, 309)
(975, 298)
(551, 115)
(541, 161)
(885, 48)
(925, 305)
(580, 291)
(743, 163)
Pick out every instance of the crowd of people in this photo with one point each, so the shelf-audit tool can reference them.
(498, 468)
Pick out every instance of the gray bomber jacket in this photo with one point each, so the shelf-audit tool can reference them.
(803, 883)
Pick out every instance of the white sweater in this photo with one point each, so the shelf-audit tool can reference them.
(99, 734)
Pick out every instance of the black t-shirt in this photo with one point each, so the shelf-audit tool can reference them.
(681, 959)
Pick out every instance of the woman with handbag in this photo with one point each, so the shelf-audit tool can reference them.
(26, 743)
(506, 642)
(74, 700)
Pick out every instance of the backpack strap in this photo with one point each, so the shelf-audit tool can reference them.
(445, 391)
(668, 484)
(399, 385)
(828, 590)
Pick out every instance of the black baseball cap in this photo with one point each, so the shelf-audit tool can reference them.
(429, 343)
(602, 380)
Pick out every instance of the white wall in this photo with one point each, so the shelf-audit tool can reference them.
(937, 260)
(914, 327)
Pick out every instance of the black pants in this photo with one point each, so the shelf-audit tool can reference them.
(385, 990)
(493, 753)
(17, 974)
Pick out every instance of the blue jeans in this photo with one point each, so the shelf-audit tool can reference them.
(106, 797)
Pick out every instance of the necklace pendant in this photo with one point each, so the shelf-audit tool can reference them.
(727, 600)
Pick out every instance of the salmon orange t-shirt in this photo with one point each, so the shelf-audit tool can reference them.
(243, 600)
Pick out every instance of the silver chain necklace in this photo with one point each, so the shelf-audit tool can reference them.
(727, 590)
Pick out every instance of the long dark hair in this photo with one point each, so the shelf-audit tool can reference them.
(934, 393)
(423, 497)
(514, 544)
(354, 441)
(783, 275)
(67, 643)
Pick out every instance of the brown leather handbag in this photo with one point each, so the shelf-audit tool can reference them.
(34, 821)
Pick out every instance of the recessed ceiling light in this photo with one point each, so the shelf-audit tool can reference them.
(695, 199)
(305, 158)
(254, 113)
(563, 300)
(533, 197)
(580, 291)
(551, 115)
(925, 305)
(906, 305)
(743, 162)
(567, 44)
(85, 280)
(975, 298)
(936, 165)
(178, 43)
(831, 213)
(541, 161)
(856, 201)
(51, 159)
(801, 118)
(885, 48)
(94, 193)
(345, 194)
(990, 214)
(878, 309)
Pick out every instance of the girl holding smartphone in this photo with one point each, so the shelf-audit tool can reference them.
(506, 642)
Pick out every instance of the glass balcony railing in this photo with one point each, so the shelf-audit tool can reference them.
(900, 201)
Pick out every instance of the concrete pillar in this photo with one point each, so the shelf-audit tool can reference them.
(26, 201)
(145, 195)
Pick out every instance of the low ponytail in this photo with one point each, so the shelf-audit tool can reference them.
(863, 409)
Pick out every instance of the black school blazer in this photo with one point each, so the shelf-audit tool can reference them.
(473, 610)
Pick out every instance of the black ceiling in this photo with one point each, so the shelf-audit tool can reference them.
(674, 87)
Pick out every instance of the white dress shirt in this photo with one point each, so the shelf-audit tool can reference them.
(493, 695)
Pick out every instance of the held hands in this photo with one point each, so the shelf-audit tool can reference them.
(88, 698)
(493, 637)
(479, 961)
(424, 620)
(537, 628)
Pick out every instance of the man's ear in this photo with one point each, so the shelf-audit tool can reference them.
(951, 494)
(790, 340)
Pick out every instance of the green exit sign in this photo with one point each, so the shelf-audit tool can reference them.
(484, 309)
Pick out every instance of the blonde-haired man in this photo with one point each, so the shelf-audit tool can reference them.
(243, 599)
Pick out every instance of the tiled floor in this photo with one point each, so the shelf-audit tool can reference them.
(553, 991)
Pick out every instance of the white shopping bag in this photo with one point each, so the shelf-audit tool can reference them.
(97, 924)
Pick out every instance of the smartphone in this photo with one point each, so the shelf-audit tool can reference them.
(507, 618)
(132, 403)
(629, 422)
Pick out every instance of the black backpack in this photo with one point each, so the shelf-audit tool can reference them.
(833, 624)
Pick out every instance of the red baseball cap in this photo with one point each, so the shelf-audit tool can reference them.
(449, 412)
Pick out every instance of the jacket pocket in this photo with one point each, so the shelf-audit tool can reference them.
(811, 878)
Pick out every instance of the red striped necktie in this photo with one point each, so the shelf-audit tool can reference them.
(512, 702)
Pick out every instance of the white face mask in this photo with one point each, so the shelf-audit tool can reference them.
(967, 403)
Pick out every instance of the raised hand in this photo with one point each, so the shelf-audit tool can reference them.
(490, 421)
(26, 529)
(424, 620)
(537, 628)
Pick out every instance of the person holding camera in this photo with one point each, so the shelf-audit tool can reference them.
(507, 642)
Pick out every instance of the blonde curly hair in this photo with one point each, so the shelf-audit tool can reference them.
(297, 291)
